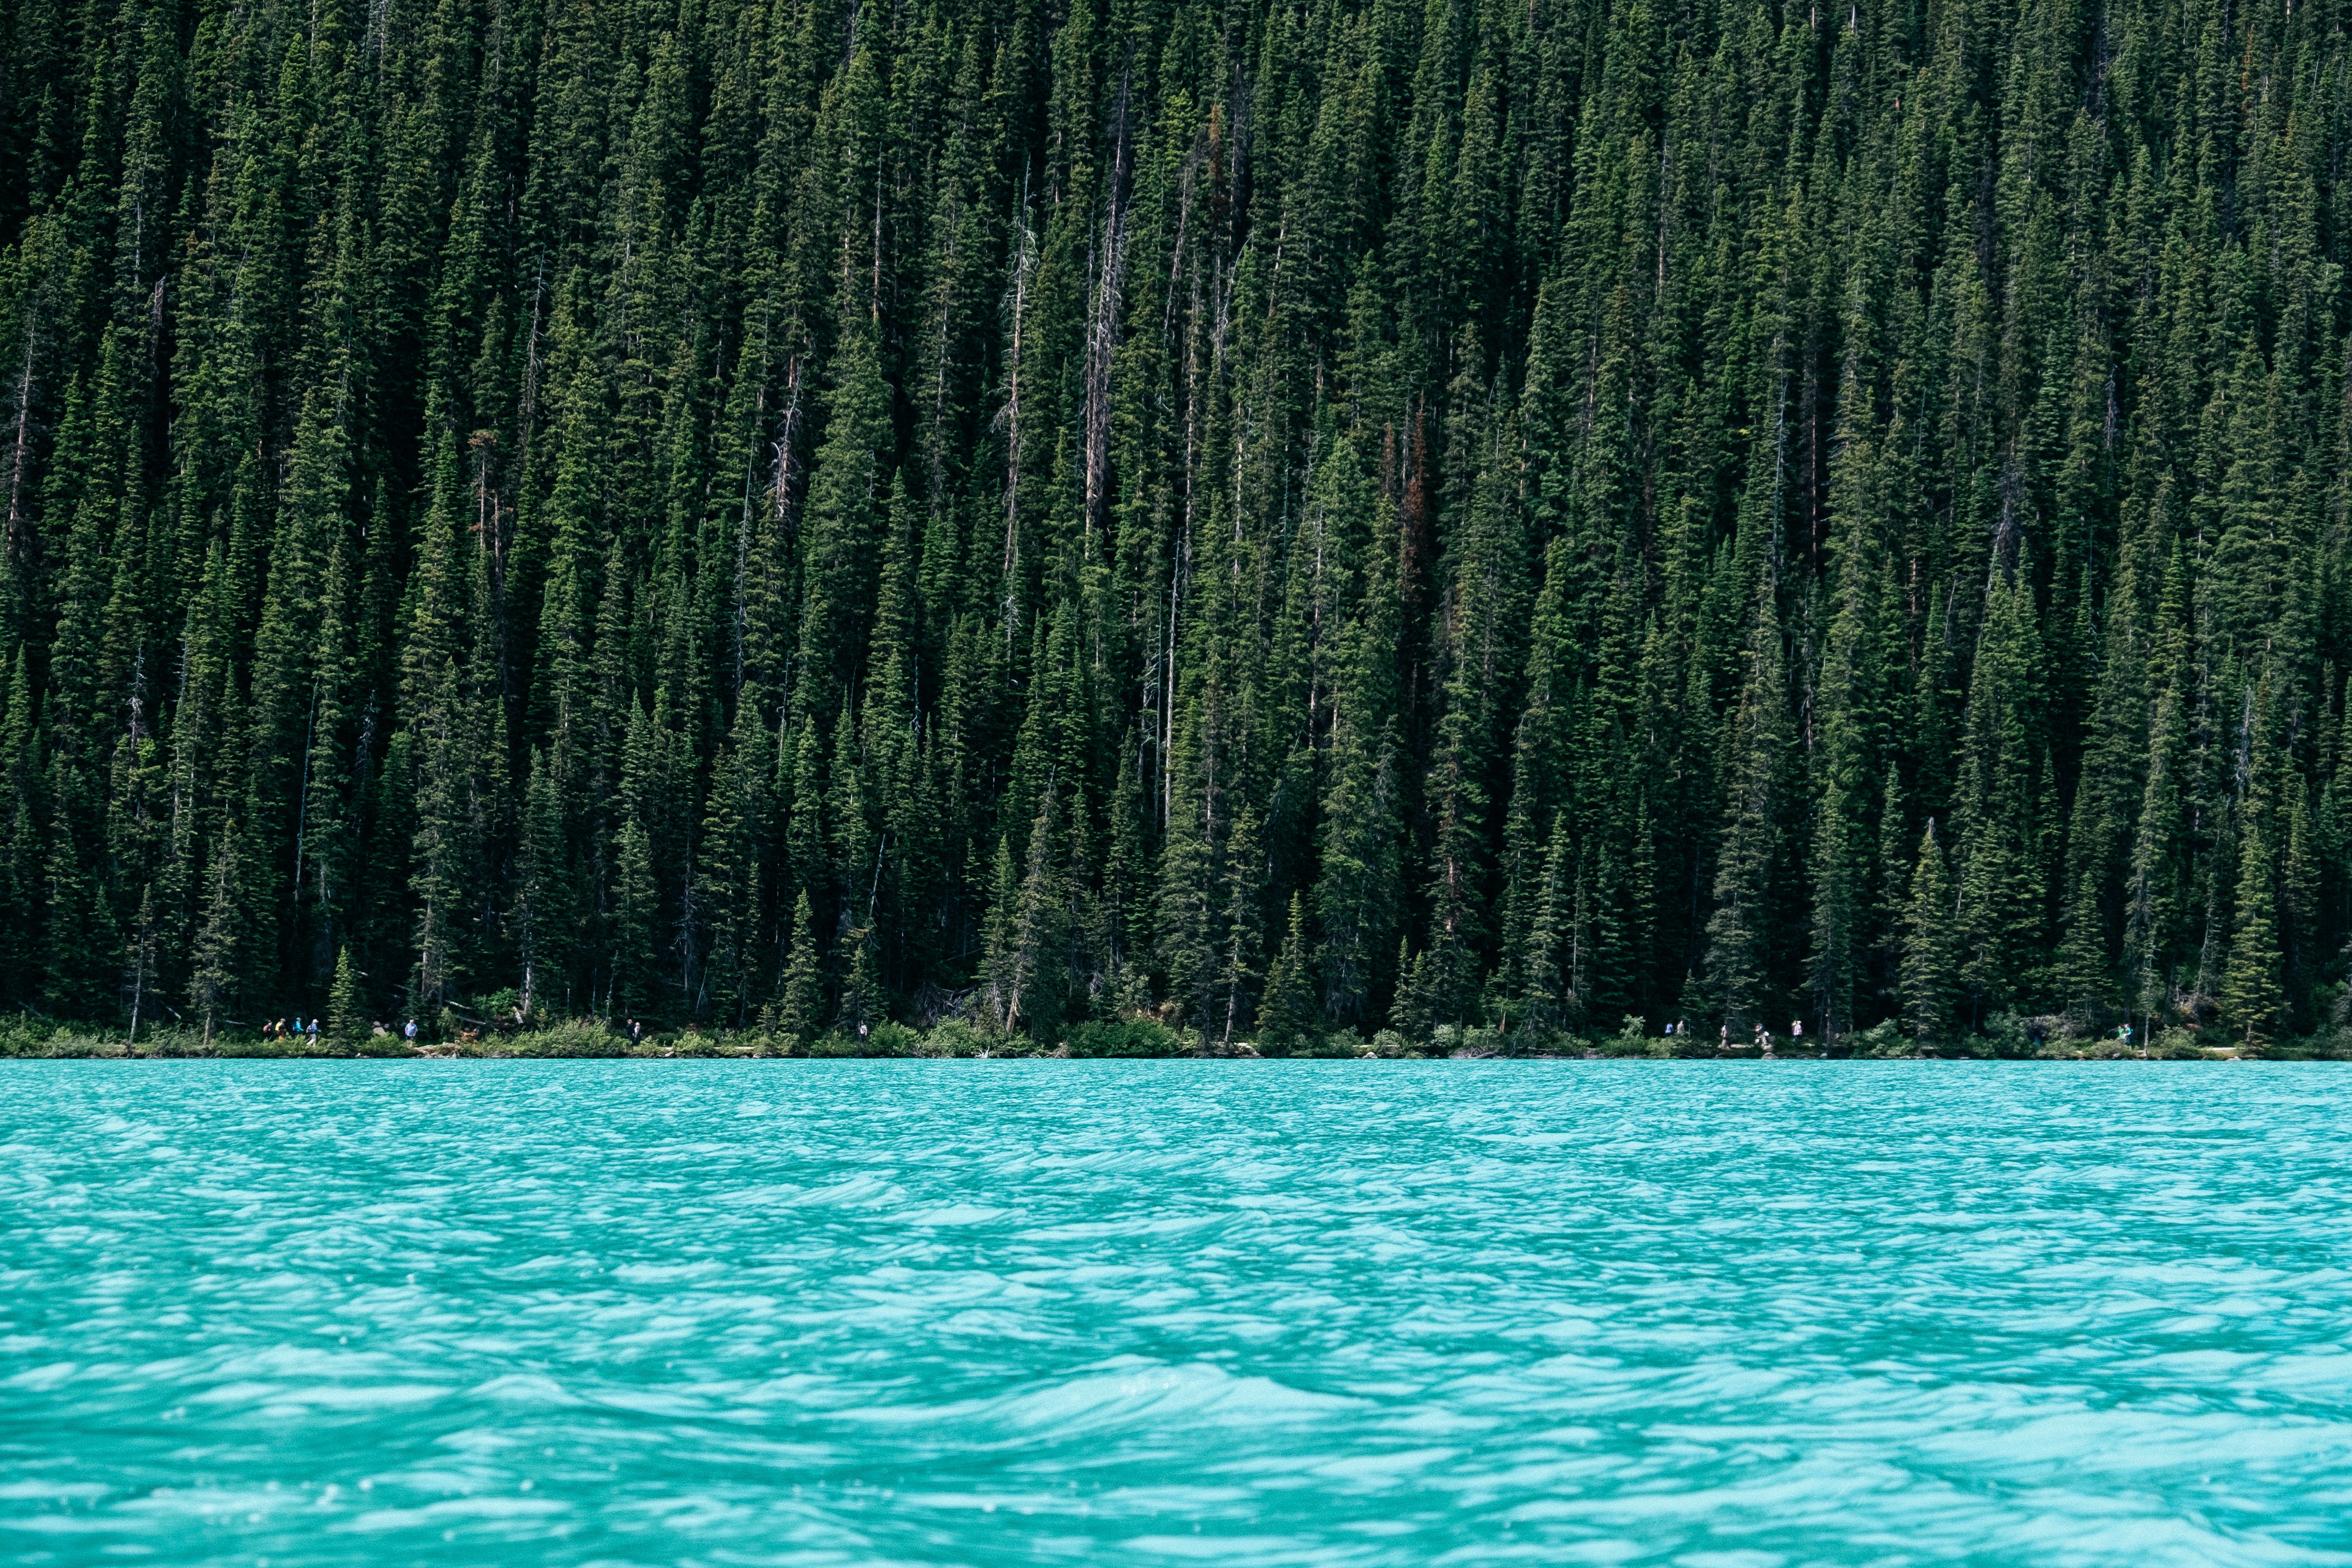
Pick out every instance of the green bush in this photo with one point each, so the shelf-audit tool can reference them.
(253, 1048)
(1482, 1041)
(2181, 1045)
(2104, 1046)
(2005, 1035)
(389, 1045)
(886, 1038)
(951, 1038)
(1533, 1039)
(1336, 1045)
(1884, 1040)
(577, 1037)
(1697, 1046)
(67, 1042)
(1633, 1039)
(2331, 1044)
(175, 1041)
(1124, 1037)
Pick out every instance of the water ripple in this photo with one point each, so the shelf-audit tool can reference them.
(1708, 1315)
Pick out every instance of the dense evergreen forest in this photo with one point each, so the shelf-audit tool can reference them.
(1280, 515)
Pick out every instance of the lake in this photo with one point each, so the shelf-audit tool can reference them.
(1718, 1315)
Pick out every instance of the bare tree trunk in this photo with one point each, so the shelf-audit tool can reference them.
(1103, 331)
(20, 461)
(1024, 262)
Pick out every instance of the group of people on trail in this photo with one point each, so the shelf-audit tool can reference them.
(306, 1030)
(1763, 1041)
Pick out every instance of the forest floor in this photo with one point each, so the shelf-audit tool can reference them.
(33, 1038)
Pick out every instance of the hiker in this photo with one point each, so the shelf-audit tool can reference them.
(410, 1033)
(314, 1031)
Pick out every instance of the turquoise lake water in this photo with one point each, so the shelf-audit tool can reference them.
(1719, 1315)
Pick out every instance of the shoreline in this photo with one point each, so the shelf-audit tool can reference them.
(722, 1054)
(31, 1038)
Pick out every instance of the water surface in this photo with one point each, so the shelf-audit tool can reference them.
(1716, 1315)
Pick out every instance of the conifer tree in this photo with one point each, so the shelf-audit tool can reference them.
(542, 913)
(1739, 957)
(2251, 990)
(1930, 966)
(800, 1010)
(632, 969)
(213, 976)
(346, 1015)
(1286, 1015)
(1028, 953)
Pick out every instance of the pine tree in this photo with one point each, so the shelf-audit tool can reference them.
(1029, 953)
(847, 492)
(1241, 944)
(1929, 964)
(2250, 991)
(861, 981)
(800, 1010)
(213, 976)
(346, 1015)
(543, 911)
(634, 968)
(1287, 1017)
(1738, 955)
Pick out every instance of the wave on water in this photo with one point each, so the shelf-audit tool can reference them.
(897, 1313)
